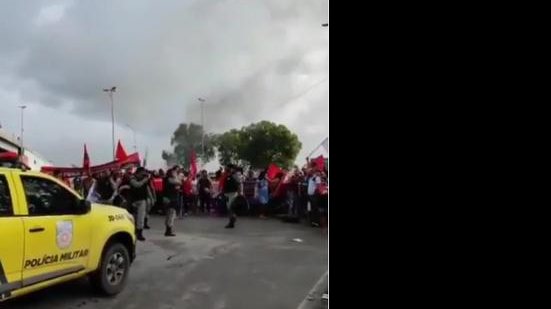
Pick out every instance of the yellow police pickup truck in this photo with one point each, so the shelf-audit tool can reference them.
(49, 234)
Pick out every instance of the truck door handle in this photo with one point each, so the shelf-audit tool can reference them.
(36, 229)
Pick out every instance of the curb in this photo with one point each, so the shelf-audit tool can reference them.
(314, 298)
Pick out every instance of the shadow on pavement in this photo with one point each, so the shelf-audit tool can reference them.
(78, 292)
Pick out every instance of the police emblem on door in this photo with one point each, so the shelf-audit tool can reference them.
(64, 234)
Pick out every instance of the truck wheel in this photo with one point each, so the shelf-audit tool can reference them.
(111, 276)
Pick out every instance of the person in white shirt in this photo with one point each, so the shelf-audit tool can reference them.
(313, 183)
(92, 196)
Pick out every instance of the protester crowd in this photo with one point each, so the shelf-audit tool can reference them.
(297, 195)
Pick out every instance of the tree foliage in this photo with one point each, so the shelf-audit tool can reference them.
(258, 145)
(188, 137)
(229, 147)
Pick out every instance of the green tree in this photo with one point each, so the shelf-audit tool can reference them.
(267, 142)
(169, 158)
(188, 137)
(229, 146)
(258, 145)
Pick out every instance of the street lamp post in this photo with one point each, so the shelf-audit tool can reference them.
(22, 107)
(202, 125)
(110, 93)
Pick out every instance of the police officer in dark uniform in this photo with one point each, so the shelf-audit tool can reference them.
(172, 186)
(139, 184)
(232, 189)
(105, 188)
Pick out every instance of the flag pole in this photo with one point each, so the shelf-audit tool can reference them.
(145, 157)
(318, 146)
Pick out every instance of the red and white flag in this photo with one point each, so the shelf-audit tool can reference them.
(193, 164)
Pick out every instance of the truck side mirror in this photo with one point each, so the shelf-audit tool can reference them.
(84, 206)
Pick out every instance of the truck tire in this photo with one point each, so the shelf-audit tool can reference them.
(110, 278)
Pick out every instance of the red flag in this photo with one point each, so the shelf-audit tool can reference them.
(193, 164)
(222, 181)
(320, 163)
(273, 170)
(86, 160)
(120, 154)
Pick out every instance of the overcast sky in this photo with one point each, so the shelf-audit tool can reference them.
(251, 60)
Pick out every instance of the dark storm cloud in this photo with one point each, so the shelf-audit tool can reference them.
(250, 59)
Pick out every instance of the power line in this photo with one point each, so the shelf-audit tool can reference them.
(310, 88)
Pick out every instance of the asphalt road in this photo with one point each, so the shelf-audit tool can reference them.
(257, 265)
